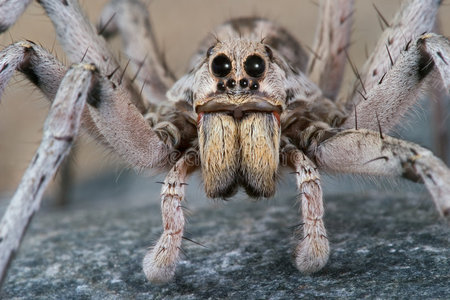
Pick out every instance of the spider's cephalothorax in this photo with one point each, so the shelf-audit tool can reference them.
(240, 88)
(252, 102)
(238, 121)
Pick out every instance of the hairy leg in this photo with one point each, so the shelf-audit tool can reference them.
(440, 114)
(39, 66)
(413, 19)
(424, 64)
(110, 115)
(441, 124)
(366, 152)
(131, 19)
(11, 10)
(81, 42)
(79, 38)
(160, 262)
(61, 128)
(312, 252)
(327, 63)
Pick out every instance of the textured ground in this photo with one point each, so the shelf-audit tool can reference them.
(383, 245)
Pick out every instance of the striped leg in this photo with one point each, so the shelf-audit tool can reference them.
(61, 128)
(366, 152)
(160, 262)
(312, 252)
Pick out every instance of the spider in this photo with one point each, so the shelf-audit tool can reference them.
(252, 103)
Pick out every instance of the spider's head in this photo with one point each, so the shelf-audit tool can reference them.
(238, 76)
(239, 89)
(242, 78)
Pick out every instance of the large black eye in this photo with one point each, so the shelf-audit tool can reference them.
(221, 65)
(254, 65)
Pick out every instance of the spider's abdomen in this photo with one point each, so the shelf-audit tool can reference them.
(242, 151)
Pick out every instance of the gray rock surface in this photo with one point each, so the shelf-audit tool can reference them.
(383, 245)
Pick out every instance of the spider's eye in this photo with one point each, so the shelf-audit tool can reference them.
(254, 65)
(221, 66)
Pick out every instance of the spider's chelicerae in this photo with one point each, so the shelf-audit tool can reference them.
(252, 102)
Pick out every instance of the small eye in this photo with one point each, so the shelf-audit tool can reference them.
(254, 65)
(221, 66)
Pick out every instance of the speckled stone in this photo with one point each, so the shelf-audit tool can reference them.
(382, 245)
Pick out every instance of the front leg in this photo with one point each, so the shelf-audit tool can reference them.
(312, 252)
(159, 263)
(414, 18)
(60, 130)
(372, 153)
(424, 64)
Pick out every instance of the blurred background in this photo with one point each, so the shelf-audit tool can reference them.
(179, 27)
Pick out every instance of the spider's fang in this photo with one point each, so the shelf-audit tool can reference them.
(199, 118)
(277, 116)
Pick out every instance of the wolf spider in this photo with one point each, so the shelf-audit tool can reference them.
(252, 103)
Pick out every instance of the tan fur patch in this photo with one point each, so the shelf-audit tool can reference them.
(219, 146)
(260, 142)
(244, 152)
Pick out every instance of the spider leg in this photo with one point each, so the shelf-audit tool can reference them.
(440, 123)
(39, 66)
(120, 126)
(413, 19)
(418, 68)
(11, 10)
(159, 263)
(78, 36)
(327, 62)
(312, 251)
(131, 19)
(82, 43)
(367, 152)
(60, 129)
(111, 115)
